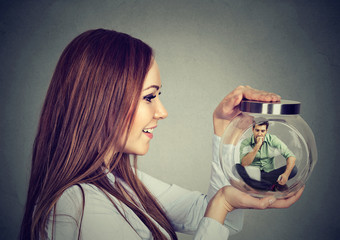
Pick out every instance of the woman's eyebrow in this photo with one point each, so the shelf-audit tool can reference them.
(152, 86)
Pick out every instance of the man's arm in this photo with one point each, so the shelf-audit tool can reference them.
(284, 176)
(249, 158)
(290, 158)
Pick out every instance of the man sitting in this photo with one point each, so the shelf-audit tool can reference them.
(259, 150)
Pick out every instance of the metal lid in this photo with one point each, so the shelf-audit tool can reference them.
(283, 107)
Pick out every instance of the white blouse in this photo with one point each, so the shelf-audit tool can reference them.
(101, 220)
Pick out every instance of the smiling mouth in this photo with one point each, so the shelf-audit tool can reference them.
(148, 130)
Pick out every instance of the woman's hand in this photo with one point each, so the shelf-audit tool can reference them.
(229, 198)
(228, 108)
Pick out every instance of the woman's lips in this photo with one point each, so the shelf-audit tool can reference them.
(149, 135)
(149, 132)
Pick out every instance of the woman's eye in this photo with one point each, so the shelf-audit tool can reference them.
(149, 97)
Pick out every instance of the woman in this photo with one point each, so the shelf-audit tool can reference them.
(101, 107)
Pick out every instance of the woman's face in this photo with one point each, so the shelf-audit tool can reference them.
(149, 111)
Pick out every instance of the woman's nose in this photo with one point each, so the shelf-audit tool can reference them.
(161, 112)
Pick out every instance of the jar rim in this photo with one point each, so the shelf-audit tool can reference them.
(283, 107)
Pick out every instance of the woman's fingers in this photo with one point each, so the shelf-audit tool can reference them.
(255, 94)
(239, 199)
(257, 203)
(271, 202)
(285, 203)
(228, 107)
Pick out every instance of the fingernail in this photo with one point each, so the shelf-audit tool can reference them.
(271, 201)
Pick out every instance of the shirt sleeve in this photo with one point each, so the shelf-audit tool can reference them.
(245, 148)
(234, 219)
(282, 147)
(99, 219)
(185, 208)
(211, 229)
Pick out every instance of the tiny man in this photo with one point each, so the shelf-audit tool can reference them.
(259, 150)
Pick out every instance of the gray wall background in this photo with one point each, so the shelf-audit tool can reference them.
(205, 49)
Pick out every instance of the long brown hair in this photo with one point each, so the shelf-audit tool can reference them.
(89, 105)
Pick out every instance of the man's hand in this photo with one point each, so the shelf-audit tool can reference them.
(282, 179)
(259, 141)
(249, 158)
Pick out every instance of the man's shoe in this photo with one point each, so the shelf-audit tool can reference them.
(281, 188)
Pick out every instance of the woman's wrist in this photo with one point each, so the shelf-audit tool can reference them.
(218, 207)
(219, 126)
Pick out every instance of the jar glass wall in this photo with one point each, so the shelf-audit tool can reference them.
(288, 138)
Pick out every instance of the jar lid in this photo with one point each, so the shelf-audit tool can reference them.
(283, 107)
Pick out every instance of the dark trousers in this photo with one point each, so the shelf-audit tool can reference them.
(268, 179)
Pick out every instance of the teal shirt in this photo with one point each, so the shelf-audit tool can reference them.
(271, 147)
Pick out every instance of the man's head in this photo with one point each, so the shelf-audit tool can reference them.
(260, 130)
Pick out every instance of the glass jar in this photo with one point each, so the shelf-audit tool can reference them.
(286, 141)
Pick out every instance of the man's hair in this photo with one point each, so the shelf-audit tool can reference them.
(261, 123)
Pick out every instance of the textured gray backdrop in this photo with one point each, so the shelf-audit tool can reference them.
(204, 49)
